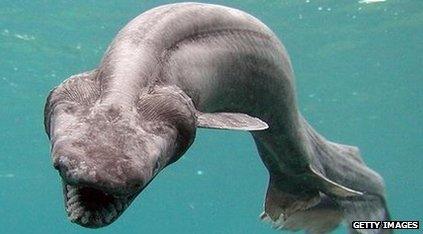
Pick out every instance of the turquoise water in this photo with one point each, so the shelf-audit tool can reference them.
(359, 81)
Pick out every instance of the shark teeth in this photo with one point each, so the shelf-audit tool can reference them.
(86, 217)
(72, 199)
(99, 214)
(71, 191)
(277, 224)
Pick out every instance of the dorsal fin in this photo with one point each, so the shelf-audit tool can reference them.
(352, 151)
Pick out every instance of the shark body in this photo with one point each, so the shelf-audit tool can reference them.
(182, 66)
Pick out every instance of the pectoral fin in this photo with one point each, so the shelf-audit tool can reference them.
(230, 121)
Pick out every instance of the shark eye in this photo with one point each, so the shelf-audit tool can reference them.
(160, 129)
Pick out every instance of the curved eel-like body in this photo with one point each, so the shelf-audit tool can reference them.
(178, 67)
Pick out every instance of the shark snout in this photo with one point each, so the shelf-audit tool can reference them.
(118, 178)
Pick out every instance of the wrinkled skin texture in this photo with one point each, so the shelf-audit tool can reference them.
(106, 153)
(115, 143)
(182, 66)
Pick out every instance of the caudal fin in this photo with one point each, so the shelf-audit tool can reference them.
(365, 208)
(340, 172)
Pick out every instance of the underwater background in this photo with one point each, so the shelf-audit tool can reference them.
(359, 81)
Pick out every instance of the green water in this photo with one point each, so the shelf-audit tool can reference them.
(359, 81)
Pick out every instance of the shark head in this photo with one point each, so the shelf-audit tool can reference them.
(106, 153)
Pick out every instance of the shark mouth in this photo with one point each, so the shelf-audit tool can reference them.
(93, 208)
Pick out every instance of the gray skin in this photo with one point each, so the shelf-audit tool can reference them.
(178, 67)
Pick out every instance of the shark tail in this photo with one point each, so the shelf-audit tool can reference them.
(365, 208)
(339, 187)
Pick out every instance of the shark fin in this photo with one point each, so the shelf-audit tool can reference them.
(230, 121)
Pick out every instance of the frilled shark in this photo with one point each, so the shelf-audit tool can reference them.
(184, 66)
